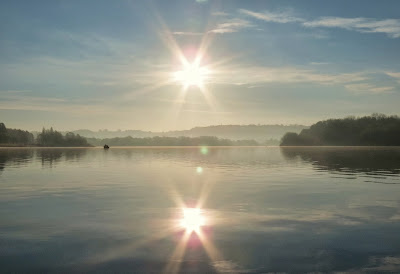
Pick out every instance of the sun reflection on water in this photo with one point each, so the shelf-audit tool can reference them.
(192, 219)
(195, 231)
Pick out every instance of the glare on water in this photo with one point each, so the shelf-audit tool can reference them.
(192, 219)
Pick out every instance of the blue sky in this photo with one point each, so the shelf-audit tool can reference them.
(103, 64)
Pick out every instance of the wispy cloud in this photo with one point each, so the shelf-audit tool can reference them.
(187, 33)
(390, 27)
(31, 103)
(220, 13)
(264, 75)
(395, 75)
(319, 63)
(368, 88)
(355, 82)
(14, 91)
(277, 17)
(233, 25)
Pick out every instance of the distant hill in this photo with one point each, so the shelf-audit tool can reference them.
(170, 141)
(270, 134)
(375, 130)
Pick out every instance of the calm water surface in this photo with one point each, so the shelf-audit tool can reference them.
(268, 209)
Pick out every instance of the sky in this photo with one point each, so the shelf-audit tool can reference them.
(169, 65)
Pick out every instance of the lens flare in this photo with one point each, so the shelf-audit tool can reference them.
(204, 150)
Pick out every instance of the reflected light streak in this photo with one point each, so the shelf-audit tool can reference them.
(176, 257)
(211, 250)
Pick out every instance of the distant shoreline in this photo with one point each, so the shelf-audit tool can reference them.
(38, 146)
(260, 146)
(163, 146)
(374, 130)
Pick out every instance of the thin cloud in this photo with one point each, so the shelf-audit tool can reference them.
(220, 13)
(368, 88)
(23, 102)
(264, 75)
(14, 91)
(393, 74)
(276, 17)
(187, 33)
(233, 25)
(29, 98)
(390, 27)
(319, 63)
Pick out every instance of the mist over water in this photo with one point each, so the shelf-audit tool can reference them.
(267, 209)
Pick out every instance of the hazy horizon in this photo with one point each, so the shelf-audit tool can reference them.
(128, 129)
(56, 127)
(175, 65)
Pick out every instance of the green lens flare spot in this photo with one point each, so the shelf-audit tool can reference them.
(204, 150)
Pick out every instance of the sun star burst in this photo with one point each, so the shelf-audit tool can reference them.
(192, 219)
(192, 75)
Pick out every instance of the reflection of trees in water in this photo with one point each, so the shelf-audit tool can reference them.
(50, 157)
(74, 154)
(372, 160)
(15, 157)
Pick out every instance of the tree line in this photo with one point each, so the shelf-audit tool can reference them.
(51, 138)
(374, 130)
(48, 137)
(54, 138)
(15, 136)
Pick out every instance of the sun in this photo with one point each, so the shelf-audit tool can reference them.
(192, 219)
(192, 75)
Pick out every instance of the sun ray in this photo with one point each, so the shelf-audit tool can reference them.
(211, 250)
(209, 97)
(129, 248)
(204, 192)
(146, 89)
(176, 258)
(166, 36)
(180, 101)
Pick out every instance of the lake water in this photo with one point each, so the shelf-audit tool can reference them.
(264, 209)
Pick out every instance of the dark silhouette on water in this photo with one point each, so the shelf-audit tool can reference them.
(10, 136)
(53, 138)
(375, 130)
(106, 146)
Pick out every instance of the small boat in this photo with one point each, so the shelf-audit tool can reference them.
(106, 146)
